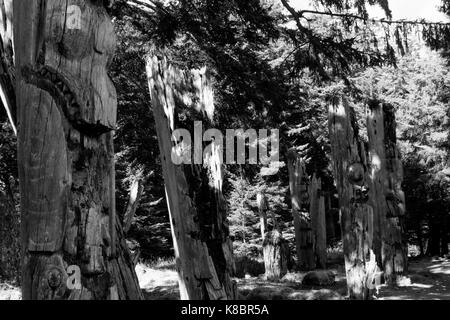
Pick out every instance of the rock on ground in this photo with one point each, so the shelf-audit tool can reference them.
(319, 278)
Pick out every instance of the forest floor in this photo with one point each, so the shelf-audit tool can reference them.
(428, 279)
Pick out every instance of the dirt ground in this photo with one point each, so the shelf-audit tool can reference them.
(428, 279)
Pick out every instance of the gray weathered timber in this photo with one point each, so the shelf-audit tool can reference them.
(317, 213)
(196, 205)
(386, 193)
(66, 117)
(304, 238)
(350, 173)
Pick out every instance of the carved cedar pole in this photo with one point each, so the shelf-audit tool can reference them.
(394, 248)
(304, 239)
(349, 167)
(386, 193)
(276, 255)
(262, 207)
(377, 173)
(317, 213)
(196, 205)
(275, 249)
(67, 113)
(321, 234)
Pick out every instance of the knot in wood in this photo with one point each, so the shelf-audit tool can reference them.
(355, 174)
(361, 195)
(54, 278)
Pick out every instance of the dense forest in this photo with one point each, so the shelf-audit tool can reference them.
(223, 149)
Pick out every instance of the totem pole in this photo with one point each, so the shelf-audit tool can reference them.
(351, 177)
(197, 207)
(73, 245)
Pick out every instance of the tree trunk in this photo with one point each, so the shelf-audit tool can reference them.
(276, 256)
(349, 167)
(304, 239)
(67, 113)
(196, 205)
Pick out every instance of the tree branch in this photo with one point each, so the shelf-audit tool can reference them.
(300, 14)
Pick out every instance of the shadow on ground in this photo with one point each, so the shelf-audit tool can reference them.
(428, 279)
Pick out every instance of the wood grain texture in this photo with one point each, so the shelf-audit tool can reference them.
(317, 213)
(350, 173)
(262, 208)
(377, 161)
(298, 185)
(388, 197)
(276, 256)
(67, 113)
(196, 205)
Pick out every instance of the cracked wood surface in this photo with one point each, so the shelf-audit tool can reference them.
(196, 205)
(317, 213)
(66, 117)
(298, 185)
(386, 193)
(350, 172)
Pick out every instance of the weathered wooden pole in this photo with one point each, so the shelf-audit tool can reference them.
(317, 213)
(394, 247)
(275, 249)
(386, 193)
(349, 167)
(196, 205)
(377, 174)
(67, 113)
(276, 255)
(304, 239)
(262, 207)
